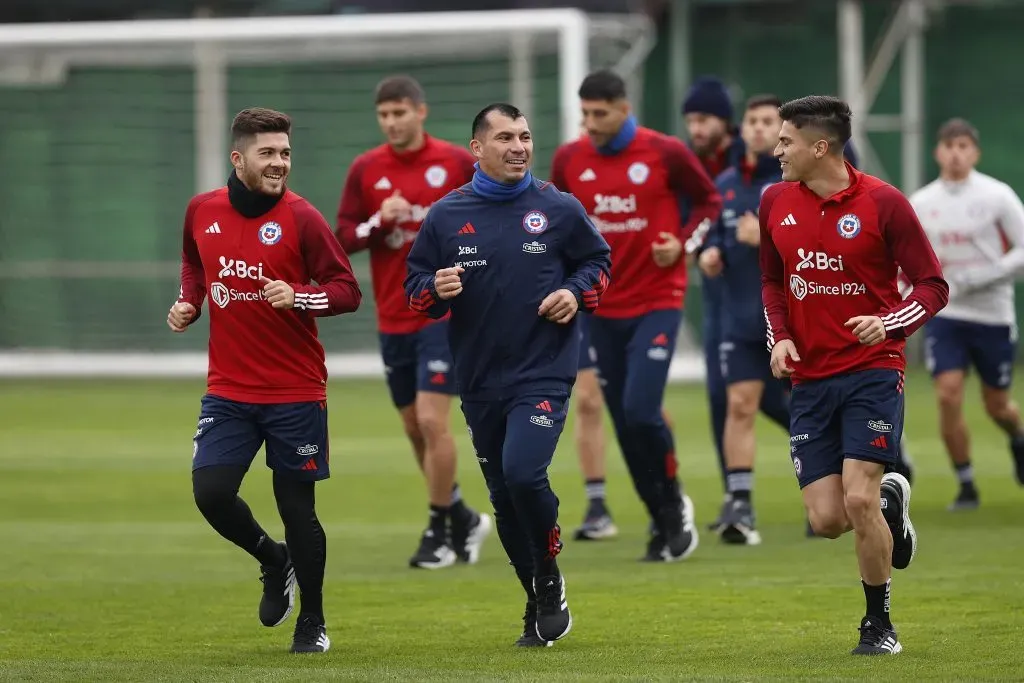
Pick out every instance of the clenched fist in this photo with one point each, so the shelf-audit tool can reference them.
(279, 293)
(869, 329)
(395, 208)
(782, 352)
(710, 262)
(559, 306)
(180, 315)
(666, 252)
(447, 282)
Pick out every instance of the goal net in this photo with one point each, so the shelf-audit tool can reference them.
(109, 128)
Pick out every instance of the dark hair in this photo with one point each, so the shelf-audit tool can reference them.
(398, 88)
(958, 128)
(603, 85)
(480, 123)
(250, 122)
(764, 100)
(829, 115)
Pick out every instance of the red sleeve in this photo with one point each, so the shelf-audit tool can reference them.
(773, 274)
(913, 253)
(687, 177)
(357, 227)
(336, 290)
(558, 164)
(193, 277)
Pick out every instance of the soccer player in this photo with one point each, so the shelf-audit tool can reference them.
(976, 225)
(831, 241)
(513, 260)
(255, 247)
(387, 193)
(729, 259)
(630, 179)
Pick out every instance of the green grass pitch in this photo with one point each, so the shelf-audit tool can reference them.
(109, 573)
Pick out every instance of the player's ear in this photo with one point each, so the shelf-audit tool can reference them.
(820, 149)
(236, 158)
(421, 111)
(477, 148)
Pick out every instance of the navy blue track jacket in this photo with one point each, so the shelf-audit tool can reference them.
(741, 187)
(514, 254)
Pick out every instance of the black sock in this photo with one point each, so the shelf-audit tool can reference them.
(740, 481)
(439, 521)
(307, 543)
(215, 490)
(460, 512)
(877, 598)
(965, 475)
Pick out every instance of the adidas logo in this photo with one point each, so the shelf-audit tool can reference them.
(467, 229)
(588, 175)
(880, 442)
(544, 405)
(383, 184)
(660, 340)
(788, 220)
(309, 466)
(213, 229)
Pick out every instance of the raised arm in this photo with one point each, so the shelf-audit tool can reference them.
(688, 178)
(422, 264)
(357, 226)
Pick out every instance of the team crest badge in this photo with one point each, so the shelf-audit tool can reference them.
(848, 226)
(270, 233)
(535, 222)
(638, 172)
(435, 176)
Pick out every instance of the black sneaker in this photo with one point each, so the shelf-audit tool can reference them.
(433, 553)
(597, 523)
(468, 536)
(655, 547)
(553, 618)
(530, 637)
(737, 526)
(310, 635)
(967, 499)
(876, 639)
(278, 592)
(680, 532)
(1017, 449)
(717, 524)
(896, 510)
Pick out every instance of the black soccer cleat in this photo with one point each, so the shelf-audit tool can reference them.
(877, 639)
(468, 536)
(737, 524)
(680, 532)
(310, 635)
(554, 621)
(530, 637)
(717, 523)
(967, 499)
(278, 592)
(896, 510)
(1017, 449)
(433, 553)
(655, 551)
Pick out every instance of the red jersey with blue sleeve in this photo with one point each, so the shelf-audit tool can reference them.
(824, 261)
(259, 354)
(632, 196)
(422, 177)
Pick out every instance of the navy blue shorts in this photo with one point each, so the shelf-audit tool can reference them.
(857, 416)
(588, 357)
(957, 345)
(295, 434)
(421, 361)
(745, 361)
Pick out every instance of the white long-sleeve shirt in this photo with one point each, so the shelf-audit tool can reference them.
(976, 227)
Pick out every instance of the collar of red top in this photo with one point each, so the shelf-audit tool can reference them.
(842, 195)
(412, 156)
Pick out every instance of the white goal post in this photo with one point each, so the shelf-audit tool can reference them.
(534, 58)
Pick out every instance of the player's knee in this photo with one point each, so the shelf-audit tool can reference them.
(949, 391)
(521, 481)
(827, 523)
(589, 404)
(211, 493)
(638, 414)
(410, 424)
(997, 404)
(433, 426)
(742, 407)
(860, 505)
